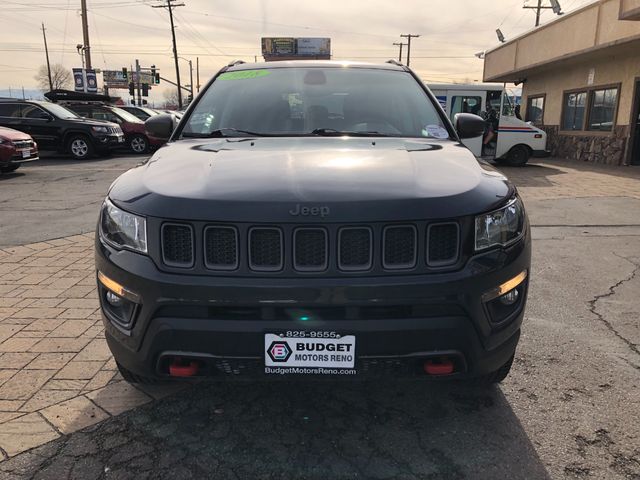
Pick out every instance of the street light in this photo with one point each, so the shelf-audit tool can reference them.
(191, 75)
(81, 48)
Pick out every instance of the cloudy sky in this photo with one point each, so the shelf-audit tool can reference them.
(219, 31)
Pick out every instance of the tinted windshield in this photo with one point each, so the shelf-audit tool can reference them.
(59, 111)
(307, 100)
(126, 116)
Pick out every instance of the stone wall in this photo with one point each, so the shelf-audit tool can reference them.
(607, 149)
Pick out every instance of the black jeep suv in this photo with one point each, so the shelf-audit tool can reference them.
(313, 218)
(57, 128)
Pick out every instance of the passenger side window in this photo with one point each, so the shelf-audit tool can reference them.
(31, 111)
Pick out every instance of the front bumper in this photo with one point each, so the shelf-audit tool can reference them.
(398, 321)
(110, 141)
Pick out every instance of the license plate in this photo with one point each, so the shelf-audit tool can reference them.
(120, 139)
(26, 153)
(316, 353)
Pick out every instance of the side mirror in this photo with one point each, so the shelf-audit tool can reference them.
(469, 125)
(159, 126)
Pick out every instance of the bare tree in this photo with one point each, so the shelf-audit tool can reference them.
(60, 77)
(170, 98)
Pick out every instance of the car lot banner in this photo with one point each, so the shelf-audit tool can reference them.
(115, 79)
(281, 48)
(92, 81)
(78, 79)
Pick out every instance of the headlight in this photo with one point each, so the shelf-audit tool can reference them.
(500, 227)
(100, 129)
(123, 229)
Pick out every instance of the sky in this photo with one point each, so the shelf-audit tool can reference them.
(217, 31)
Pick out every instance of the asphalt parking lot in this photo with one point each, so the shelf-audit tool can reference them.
(569, 409)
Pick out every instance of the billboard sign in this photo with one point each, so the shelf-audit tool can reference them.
(279, 48)
(115, 79)
(78, 79)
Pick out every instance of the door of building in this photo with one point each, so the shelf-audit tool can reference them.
(635, 126)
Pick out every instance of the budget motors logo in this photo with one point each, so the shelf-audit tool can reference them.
(279, 351)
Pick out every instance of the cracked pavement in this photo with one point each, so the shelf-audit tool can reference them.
(569, 409)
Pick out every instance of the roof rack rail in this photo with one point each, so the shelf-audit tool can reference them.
(395, 62)
(233, 63)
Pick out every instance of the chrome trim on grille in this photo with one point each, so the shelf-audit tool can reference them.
(259, 268)
(399, 266)
(212, 266)
(326, 250)
(350, 268)
(448, 262)
(172, 263)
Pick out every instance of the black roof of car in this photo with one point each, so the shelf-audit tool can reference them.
(315, 63)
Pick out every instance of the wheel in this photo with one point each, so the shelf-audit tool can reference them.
(517, 156)
(496, 376)
(9, 168)
(131, 377)
(138, 144)
(79, 147)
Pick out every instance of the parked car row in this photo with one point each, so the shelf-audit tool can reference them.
(80, 129)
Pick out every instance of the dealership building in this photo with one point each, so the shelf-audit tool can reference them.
(580, 78)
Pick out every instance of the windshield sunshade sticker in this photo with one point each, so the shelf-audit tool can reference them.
(244, 74)
(435, 131)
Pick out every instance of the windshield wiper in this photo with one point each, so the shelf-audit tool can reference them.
(227, 132)
(332, 132)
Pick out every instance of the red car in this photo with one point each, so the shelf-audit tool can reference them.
(136, 138)
(16, 148)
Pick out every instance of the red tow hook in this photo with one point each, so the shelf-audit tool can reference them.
(180, 368)
(441, 366)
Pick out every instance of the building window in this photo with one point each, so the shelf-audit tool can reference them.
(602, 109)
(535, 110)
(573, 110)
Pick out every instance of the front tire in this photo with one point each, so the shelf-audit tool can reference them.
(9, 168)
(518, 156)
(131, 377)
(80, 147)
(138, 144)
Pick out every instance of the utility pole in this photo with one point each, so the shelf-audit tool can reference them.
(138, 83)
(198, 73)
(409, 36)
(191, 79)
(555, 6)
(46, 51)
(170, 6)
(400, 54)
(85, 34)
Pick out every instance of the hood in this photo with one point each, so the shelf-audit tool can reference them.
(347, 179)
(91, 121)
(13, 135)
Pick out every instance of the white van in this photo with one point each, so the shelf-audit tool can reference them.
(515, 141)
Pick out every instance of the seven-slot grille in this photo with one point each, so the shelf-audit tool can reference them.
(312, 248)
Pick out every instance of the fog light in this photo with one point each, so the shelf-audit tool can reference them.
(113, 299)
(510, 298)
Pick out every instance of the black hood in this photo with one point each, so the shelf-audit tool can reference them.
(358, 179)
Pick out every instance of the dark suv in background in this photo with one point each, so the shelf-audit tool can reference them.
(136, 138)
(57, 128)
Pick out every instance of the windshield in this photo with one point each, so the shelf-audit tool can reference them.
(305, 101)
(59, 111)
(126, 116)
